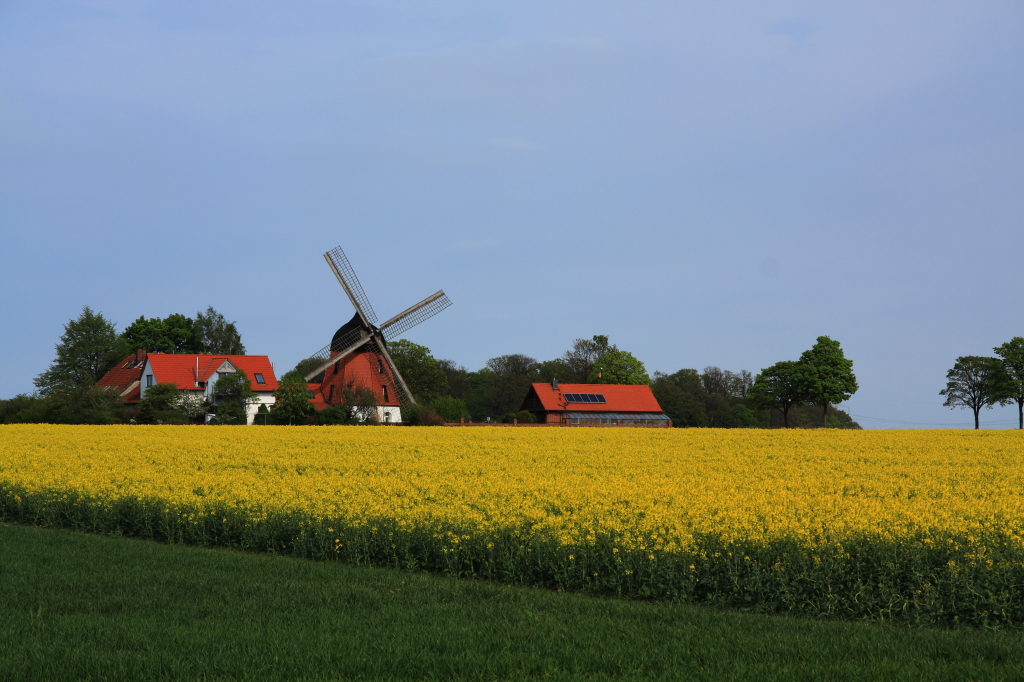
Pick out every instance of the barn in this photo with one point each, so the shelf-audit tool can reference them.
(594, 405)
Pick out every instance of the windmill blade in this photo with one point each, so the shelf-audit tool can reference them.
(350, 283)
(329, 355)
(405, 395)
(409, 318)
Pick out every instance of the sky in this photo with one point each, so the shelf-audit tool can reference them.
(704, 183)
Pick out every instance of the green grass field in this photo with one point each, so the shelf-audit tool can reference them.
(85, 607)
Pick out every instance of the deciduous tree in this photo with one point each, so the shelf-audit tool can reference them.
(778, 387)
(233, 394)
(88, 348)
(1010, 388)
(618, 367)
(214, 334)
(422, 373)
(291, 399)
(826, 375)
(971, 384)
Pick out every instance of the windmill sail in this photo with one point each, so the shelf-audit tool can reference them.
(409, 318)
(350, 283)
(337, 351)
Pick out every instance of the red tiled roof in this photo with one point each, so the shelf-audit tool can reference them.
(180, 369)
(124, 374)
(618, 397)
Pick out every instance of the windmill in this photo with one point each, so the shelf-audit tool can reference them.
(358, 353)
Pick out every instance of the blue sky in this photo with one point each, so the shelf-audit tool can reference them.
(707, 184)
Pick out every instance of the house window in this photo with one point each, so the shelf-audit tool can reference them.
(384, 390)
(149, 380)
(380, 366)
(259, 378)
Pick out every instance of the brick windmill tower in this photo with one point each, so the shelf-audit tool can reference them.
(357, 356)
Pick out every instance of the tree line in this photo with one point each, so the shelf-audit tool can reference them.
(786, 394)
(66, 392)
(978, 382)
(800, 393)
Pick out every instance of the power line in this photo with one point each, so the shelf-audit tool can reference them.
(960, 424)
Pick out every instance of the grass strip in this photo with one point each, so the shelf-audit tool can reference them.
(87, 607)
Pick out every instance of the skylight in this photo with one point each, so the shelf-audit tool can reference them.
(259, 378)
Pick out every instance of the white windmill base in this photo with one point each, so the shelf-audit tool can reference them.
(389, 414)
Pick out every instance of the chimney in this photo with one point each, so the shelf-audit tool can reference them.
(554, 384)
(140, 354)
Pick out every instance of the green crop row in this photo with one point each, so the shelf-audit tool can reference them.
(923, 581)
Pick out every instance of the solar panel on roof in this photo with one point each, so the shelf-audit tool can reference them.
(584, 398)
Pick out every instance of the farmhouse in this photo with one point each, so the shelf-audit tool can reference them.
(594, 405)
(192, 373)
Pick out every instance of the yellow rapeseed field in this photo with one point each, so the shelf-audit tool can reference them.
(533, 504)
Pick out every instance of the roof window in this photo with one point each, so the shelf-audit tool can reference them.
(259, 378)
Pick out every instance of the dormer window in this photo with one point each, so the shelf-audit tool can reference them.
(384, 390)
(259, 378)
(380, 366)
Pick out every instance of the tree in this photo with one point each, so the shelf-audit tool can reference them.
(357, 406)
(779, 387)
(87, 349)
(233, 394)
(422, 373)
(1010, 387)
(174, 334)
(452, 409)
(502, 384)
(581, 357)
(214, 334)
(681, 396)
(618, 367)
(972, 384)
(292, 399)
(826, 375)
(460, 379)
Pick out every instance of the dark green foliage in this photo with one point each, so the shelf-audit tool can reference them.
(618, 367)
(581, 357)
(421, 415)
(305, 366)
(422, 373)
(291, 400)
(1009, 384)
(825, 375)
(85, 607)
(460, 380)
(161, 396)
(88, 348)
(973, 383)
(521, 417)
(779, 387)
(173, 334)
(25, 409)
(451, 409)
(681, 397)
(214, 334)
(232, 395)
(358, 406)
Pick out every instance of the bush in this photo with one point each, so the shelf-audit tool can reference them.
(523, 417)
(421, 415)
(450, 408)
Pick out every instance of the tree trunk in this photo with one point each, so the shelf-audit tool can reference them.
(976, 411)
(1020, 411)
(824, 416)
(785, 418)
